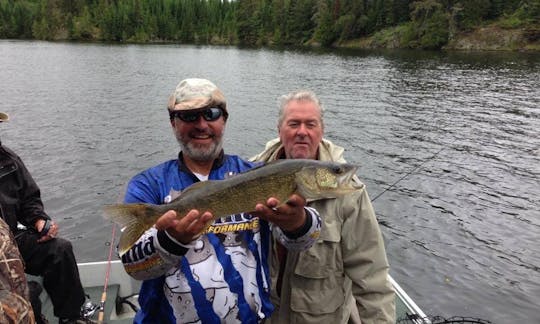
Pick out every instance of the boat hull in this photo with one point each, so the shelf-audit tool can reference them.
(122, 292)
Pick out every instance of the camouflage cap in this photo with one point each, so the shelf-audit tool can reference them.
(196, 93)
(3, 117)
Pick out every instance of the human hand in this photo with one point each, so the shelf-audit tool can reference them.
(47, 232)
(184, 229)
(289, 216)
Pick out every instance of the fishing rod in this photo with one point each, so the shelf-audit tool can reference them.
(107, 275)
(408, 173)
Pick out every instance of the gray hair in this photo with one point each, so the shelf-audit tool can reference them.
(300, 95)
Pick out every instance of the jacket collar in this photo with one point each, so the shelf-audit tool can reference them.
(327, 151)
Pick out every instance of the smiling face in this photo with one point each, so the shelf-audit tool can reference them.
(301, 129)
(200, 140)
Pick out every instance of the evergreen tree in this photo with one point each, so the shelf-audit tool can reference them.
(324, 32)
(430, 24)
(16, 18)
(300, 25)
(424, 23)
(83, 28)
(248, 22)
(229, 26)
(279, 14)
(474, 11)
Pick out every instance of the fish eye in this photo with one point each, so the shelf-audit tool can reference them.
(338, 169)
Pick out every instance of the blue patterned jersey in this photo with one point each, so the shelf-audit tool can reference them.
(221, 277)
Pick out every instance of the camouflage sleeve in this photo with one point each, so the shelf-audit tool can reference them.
(305, 241)
(15, 306)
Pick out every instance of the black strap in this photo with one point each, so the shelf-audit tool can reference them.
(46, 228)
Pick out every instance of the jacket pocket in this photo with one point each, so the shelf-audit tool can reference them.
(317, 286)
(7, 168)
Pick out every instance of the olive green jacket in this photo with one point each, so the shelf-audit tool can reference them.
(347, 266)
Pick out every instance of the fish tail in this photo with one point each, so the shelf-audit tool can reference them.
(134, 219)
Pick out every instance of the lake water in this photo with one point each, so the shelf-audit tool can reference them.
(462, 227)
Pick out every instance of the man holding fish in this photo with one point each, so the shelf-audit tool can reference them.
(203, 253)
(343, 278)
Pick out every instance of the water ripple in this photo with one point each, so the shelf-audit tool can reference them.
(454, 134)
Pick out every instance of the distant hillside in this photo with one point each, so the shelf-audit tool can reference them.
(491, 37)
(496, 38)
(416, 24)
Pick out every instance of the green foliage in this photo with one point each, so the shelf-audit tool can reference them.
(416, 24)
(46, 21)
(300, 26)
(83, 28)
(324, 32)
(249, 22)
(384, 38)
(434, 31)
(41, 30)
(429, 25)
(513, 21)
(16, 18)
(527, 14)
(529, 10)
(345, 26)
(408, 33)
(473, 13)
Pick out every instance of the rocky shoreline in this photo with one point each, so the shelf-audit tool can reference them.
(487, 38)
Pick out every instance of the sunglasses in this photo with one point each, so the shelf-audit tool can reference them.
(190, 116)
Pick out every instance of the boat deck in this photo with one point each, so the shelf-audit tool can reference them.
(95, 293)
(406, 309)
(121, 287)
(111, 309)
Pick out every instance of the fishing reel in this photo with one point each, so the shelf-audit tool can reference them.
(88, 309)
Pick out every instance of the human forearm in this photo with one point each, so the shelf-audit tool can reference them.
(302, 241)
(147, 258)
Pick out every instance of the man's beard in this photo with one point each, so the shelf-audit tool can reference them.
(201, 153)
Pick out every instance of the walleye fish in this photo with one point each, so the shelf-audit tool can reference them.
(311, 179)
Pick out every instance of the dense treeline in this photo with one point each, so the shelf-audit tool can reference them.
(419, 24)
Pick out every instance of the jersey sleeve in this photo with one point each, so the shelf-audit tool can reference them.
(304, 240)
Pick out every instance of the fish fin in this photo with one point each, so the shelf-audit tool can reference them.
(174, 194)
(135, 219)
(198, 185)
